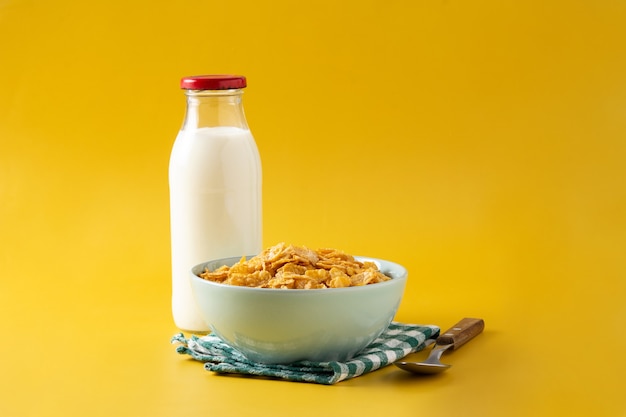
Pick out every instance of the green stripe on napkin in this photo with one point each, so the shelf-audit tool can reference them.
(397, 341)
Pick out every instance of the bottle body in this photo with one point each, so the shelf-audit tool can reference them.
(215, 203)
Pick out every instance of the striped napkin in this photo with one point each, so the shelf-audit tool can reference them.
(397, 341)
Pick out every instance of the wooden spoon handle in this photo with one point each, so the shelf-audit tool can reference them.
(461, 333)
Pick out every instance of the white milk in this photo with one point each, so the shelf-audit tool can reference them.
(215, 205)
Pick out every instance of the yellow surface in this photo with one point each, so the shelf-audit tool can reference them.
(482, 144)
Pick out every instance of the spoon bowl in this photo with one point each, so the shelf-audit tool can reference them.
(422, 367)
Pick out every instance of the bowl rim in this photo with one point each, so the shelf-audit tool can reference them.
(393, 281)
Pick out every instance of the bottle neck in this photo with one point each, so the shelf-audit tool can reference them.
(212, 108)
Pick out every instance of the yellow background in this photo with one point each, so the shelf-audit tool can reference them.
(482, 144)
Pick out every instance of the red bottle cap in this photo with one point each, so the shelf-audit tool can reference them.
(213, 82)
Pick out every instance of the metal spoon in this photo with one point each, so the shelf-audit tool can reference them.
(459, 334)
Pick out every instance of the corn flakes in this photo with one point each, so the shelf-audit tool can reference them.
(297, 267)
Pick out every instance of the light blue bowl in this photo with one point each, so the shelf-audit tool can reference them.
(286, 325)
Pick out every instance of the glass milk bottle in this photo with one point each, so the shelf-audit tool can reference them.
(215, 187)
